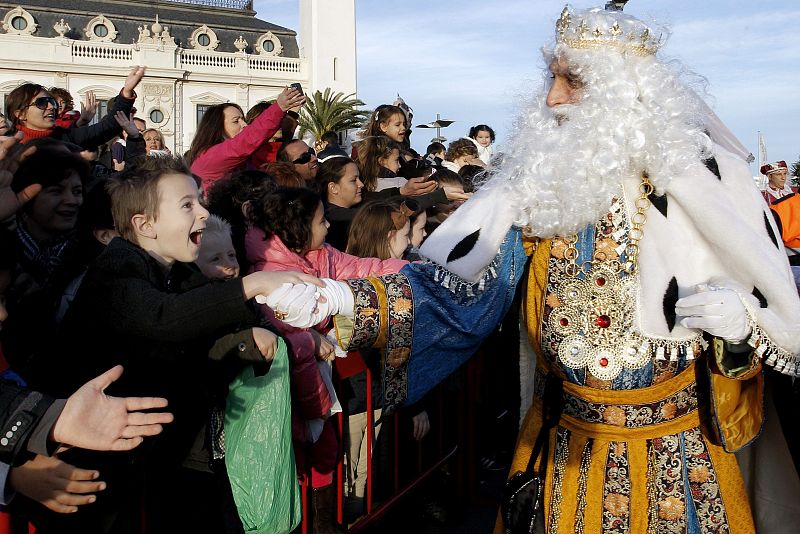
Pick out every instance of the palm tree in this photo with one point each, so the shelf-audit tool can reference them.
(329, 112)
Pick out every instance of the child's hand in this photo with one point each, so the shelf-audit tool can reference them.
(57, 485)
(265, 282)
(266, 342)
(421, 425)
(455, 193)
(323, 348)
(418, 186)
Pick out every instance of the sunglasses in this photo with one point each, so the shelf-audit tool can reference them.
(43, 101)
(306, 157)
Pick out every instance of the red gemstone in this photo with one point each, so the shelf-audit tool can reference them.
(564, 321)
(603, 362)
(603, 321)
(600, 281)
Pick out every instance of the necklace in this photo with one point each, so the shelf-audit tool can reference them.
(593, 317)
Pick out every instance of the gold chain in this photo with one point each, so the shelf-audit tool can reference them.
(637, 224)
(635, 235)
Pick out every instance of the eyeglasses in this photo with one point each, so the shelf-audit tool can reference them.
(43, 101)
(306, 157)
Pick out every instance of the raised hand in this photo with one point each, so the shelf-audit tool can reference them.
(88, 108)
(10, 159)
(93, 420)
(133, 79)
(290, 98)
(127, 124)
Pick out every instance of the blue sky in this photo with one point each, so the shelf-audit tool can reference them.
(470, 61)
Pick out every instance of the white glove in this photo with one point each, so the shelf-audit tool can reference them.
(717, 310)
(294, 304)
(338, 300)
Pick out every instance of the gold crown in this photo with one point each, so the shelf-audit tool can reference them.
(626, 33)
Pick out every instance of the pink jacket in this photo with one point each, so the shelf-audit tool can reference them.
(272, 255)
(231, 154)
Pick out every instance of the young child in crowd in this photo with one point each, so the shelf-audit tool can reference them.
(483, 137)
(379, 161)
(435, 152)
(288, 234)
(231, 200)
(390, 122)
(380, 229)
(459, 153)
(144, 303)
(217, 261)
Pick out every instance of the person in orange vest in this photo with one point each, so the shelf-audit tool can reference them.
(787, 217)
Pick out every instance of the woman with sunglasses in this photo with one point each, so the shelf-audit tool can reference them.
(33, 111)
(222, 144)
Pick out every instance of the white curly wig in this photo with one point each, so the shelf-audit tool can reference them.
(635, 114)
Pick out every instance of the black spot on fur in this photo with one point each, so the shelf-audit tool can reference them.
(464, 246)
(711, 165)
(660, 203)
(670, 298)
(762, 300)
(771, 233)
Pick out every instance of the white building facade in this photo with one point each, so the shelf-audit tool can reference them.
(198, 53)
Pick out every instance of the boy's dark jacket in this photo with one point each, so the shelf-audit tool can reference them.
(160, 326)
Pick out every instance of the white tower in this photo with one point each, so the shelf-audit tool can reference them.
(328, 41)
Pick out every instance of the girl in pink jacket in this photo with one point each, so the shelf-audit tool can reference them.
(288, 234)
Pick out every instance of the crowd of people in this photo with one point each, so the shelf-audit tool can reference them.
(648, 268)
(119, 253)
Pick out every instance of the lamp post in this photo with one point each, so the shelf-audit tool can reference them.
(439, 123)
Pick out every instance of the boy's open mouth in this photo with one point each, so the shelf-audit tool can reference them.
(196, 236)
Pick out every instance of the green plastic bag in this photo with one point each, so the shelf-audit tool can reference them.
(258, 449)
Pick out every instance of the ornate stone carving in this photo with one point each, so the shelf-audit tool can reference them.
(19, 22)
(240, 44)
(61, 28)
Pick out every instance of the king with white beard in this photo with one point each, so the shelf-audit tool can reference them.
(657, 290)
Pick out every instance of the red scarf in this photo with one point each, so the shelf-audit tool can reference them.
(29, 134)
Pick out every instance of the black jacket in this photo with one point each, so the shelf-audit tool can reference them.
(160, 326)
(26, 418)
(95, 135)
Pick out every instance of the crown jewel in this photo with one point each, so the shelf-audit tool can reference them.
(597, 28)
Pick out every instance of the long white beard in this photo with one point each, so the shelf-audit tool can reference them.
(563, 165)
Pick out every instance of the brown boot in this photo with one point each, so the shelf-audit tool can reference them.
(323, 509)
